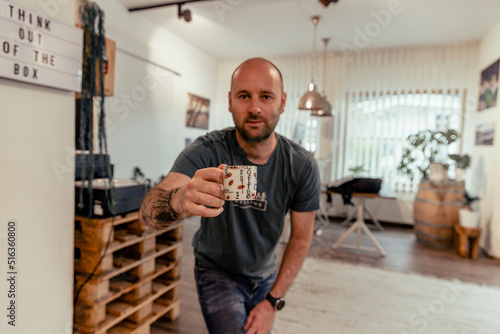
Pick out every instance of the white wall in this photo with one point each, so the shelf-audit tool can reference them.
(36, 134)
(146, 117)
(486, 159)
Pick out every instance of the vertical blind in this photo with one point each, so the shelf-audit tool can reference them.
(391, 94)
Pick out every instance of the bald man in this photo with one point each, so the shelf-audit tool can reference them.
(240, 286)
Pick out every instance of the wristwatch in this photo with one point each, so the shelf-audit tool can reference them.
(276, 303)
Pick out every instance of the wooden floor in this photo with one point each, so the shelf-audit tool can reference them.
(403, 254)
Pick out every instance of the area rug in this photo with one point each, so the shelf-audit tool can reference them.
(335, 297)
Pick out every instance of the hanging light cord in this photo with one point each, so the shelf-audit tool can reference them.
(313, 62)
(325, 41)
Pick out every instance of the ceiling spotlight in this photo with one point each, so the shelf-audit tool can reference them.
(184, 14)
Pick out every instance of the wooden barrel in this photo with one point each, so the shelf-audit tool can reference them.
(436, 212)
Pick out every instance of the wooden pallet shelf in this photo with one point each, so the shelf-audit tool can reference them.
(160, 309)
(101, 289)
(93, 234)
(117, 311)
(117, 262)
(136, 277)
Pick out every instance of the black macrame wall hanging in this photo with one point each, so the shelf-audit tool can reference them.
(92, 96)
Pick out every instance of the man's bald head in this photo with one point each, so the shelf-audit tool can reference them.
(258, 61)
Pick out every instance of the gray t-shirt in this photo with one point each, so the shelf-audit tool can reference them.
(243, 239)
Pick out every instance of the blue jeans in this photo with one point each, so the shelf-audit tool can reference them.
(226, 299)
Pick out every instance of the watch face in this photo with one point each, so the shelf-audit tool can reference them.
(280, 303)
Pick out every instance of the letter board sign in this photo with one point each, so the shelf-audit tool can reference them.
(37, 49)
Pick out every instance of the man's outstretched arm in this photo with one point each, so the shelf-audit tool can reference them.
(178, 196)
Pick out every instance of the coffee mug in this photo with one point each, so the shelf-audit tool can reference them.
(240, 183)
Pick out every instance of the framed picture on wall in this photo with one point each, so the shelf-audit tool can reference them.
(485, 134)
(197, 112)
(488, 88)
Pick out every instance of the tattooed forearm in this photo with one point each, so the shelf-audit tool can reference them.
(156, 209)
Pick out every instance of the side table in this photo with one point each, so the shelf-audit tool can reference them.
(467, 241)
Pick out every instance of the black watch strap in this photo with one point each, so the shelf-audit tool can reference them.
(276, 303)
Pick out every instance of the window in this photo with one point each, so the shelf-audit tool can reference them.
(378, 124)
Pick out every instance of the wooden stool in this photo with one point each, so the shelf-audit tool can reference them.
(467, 241)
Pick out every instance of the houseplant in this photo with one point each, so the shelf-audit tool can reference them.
(434, 209)
(462, 161)
(357, 170)
(468, 216)
(424, 149)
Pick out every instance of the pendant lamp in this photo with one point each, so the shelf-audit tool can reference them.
(312, 100)
(327, 111)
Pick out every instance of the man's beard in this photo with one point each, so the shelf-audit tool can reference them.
(265, 133)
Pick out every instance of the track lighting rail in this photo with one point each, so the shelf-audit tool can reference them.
(176, 3)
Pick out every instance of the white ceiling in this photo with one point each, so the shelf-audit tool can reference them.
(245, 28)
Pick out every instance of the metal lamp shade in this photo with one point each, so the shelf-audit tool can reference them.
(327, 111)
(312, 100)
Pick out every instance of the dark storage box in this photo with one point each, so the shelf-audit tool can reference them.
(128, 198)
